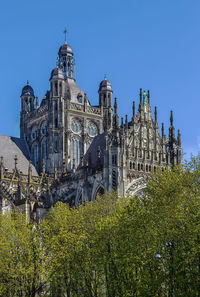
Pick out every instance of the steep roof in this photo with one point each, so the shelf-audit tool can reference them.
(11, 147)
(98, 141)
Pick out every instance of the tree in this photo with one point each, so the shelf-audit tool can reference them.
(22, 257)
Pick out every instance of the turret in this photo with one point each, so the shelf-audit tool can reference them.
(27, 105)
(57, 82)
(105, 101)
(105, 93)
(27, 99)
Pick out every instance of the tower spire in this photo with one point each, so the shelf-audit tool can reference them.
(65, 32)
(115, 106)
(155, 114)
(171, 118)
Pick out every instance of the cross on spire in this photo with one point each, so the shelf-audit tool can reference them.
(65, 32)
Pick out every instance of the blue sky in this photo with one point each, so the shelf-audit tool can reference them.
(149, 44)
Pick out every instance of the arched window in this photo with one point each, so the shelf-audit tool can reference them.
(76, 126)
(75, 151)
(34, 133)
(147, 167)
(56, 89)
(109, 101)
(44, 149)
(60, 87)
(35, 154)
(104, 100)
(138, 167)
(44, 128)
(130, 165)
(142, 167)
(92, 129)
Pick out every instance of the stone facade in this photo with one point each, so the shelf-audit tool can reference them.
(80, 150)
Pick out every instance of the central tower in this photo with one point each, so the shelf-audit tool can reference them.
(66, 60)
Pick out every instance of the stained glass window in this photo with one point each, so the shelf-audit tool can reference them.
(92, 130)
(76, 126)
(75, 151)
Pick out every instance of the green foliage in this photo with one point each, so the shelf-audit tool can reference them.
(108, 248)
(22, 257)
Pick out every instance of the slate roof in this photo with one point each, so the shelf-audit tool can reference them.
(98, 141)
(11, 147)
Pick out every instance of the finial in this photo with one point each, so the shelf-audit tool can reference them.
(163, 130)
(133, 109)
(27, 82)
(122, 122)
(148, 95)
(115, 106)
(105, 77)
(126, 121)
(65, 32)
(171, 118)
(155, 113)
(179, 138)
(140, 95)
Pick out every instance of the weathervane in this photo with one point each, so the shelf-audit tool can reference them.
(65, 32)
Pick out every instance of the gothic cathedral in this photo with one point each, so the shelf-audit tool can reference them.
(70, 151)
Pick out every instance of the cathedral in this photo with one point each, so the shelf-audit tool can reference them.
(71, 151)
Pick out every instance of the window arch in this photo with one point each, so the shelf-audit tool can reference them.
(44, 149)
(43, 128)
(76, 126)
(35, 154)
(92, 129)
(76, 149)
(34, 133)
(56, 89)
(60, 88)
